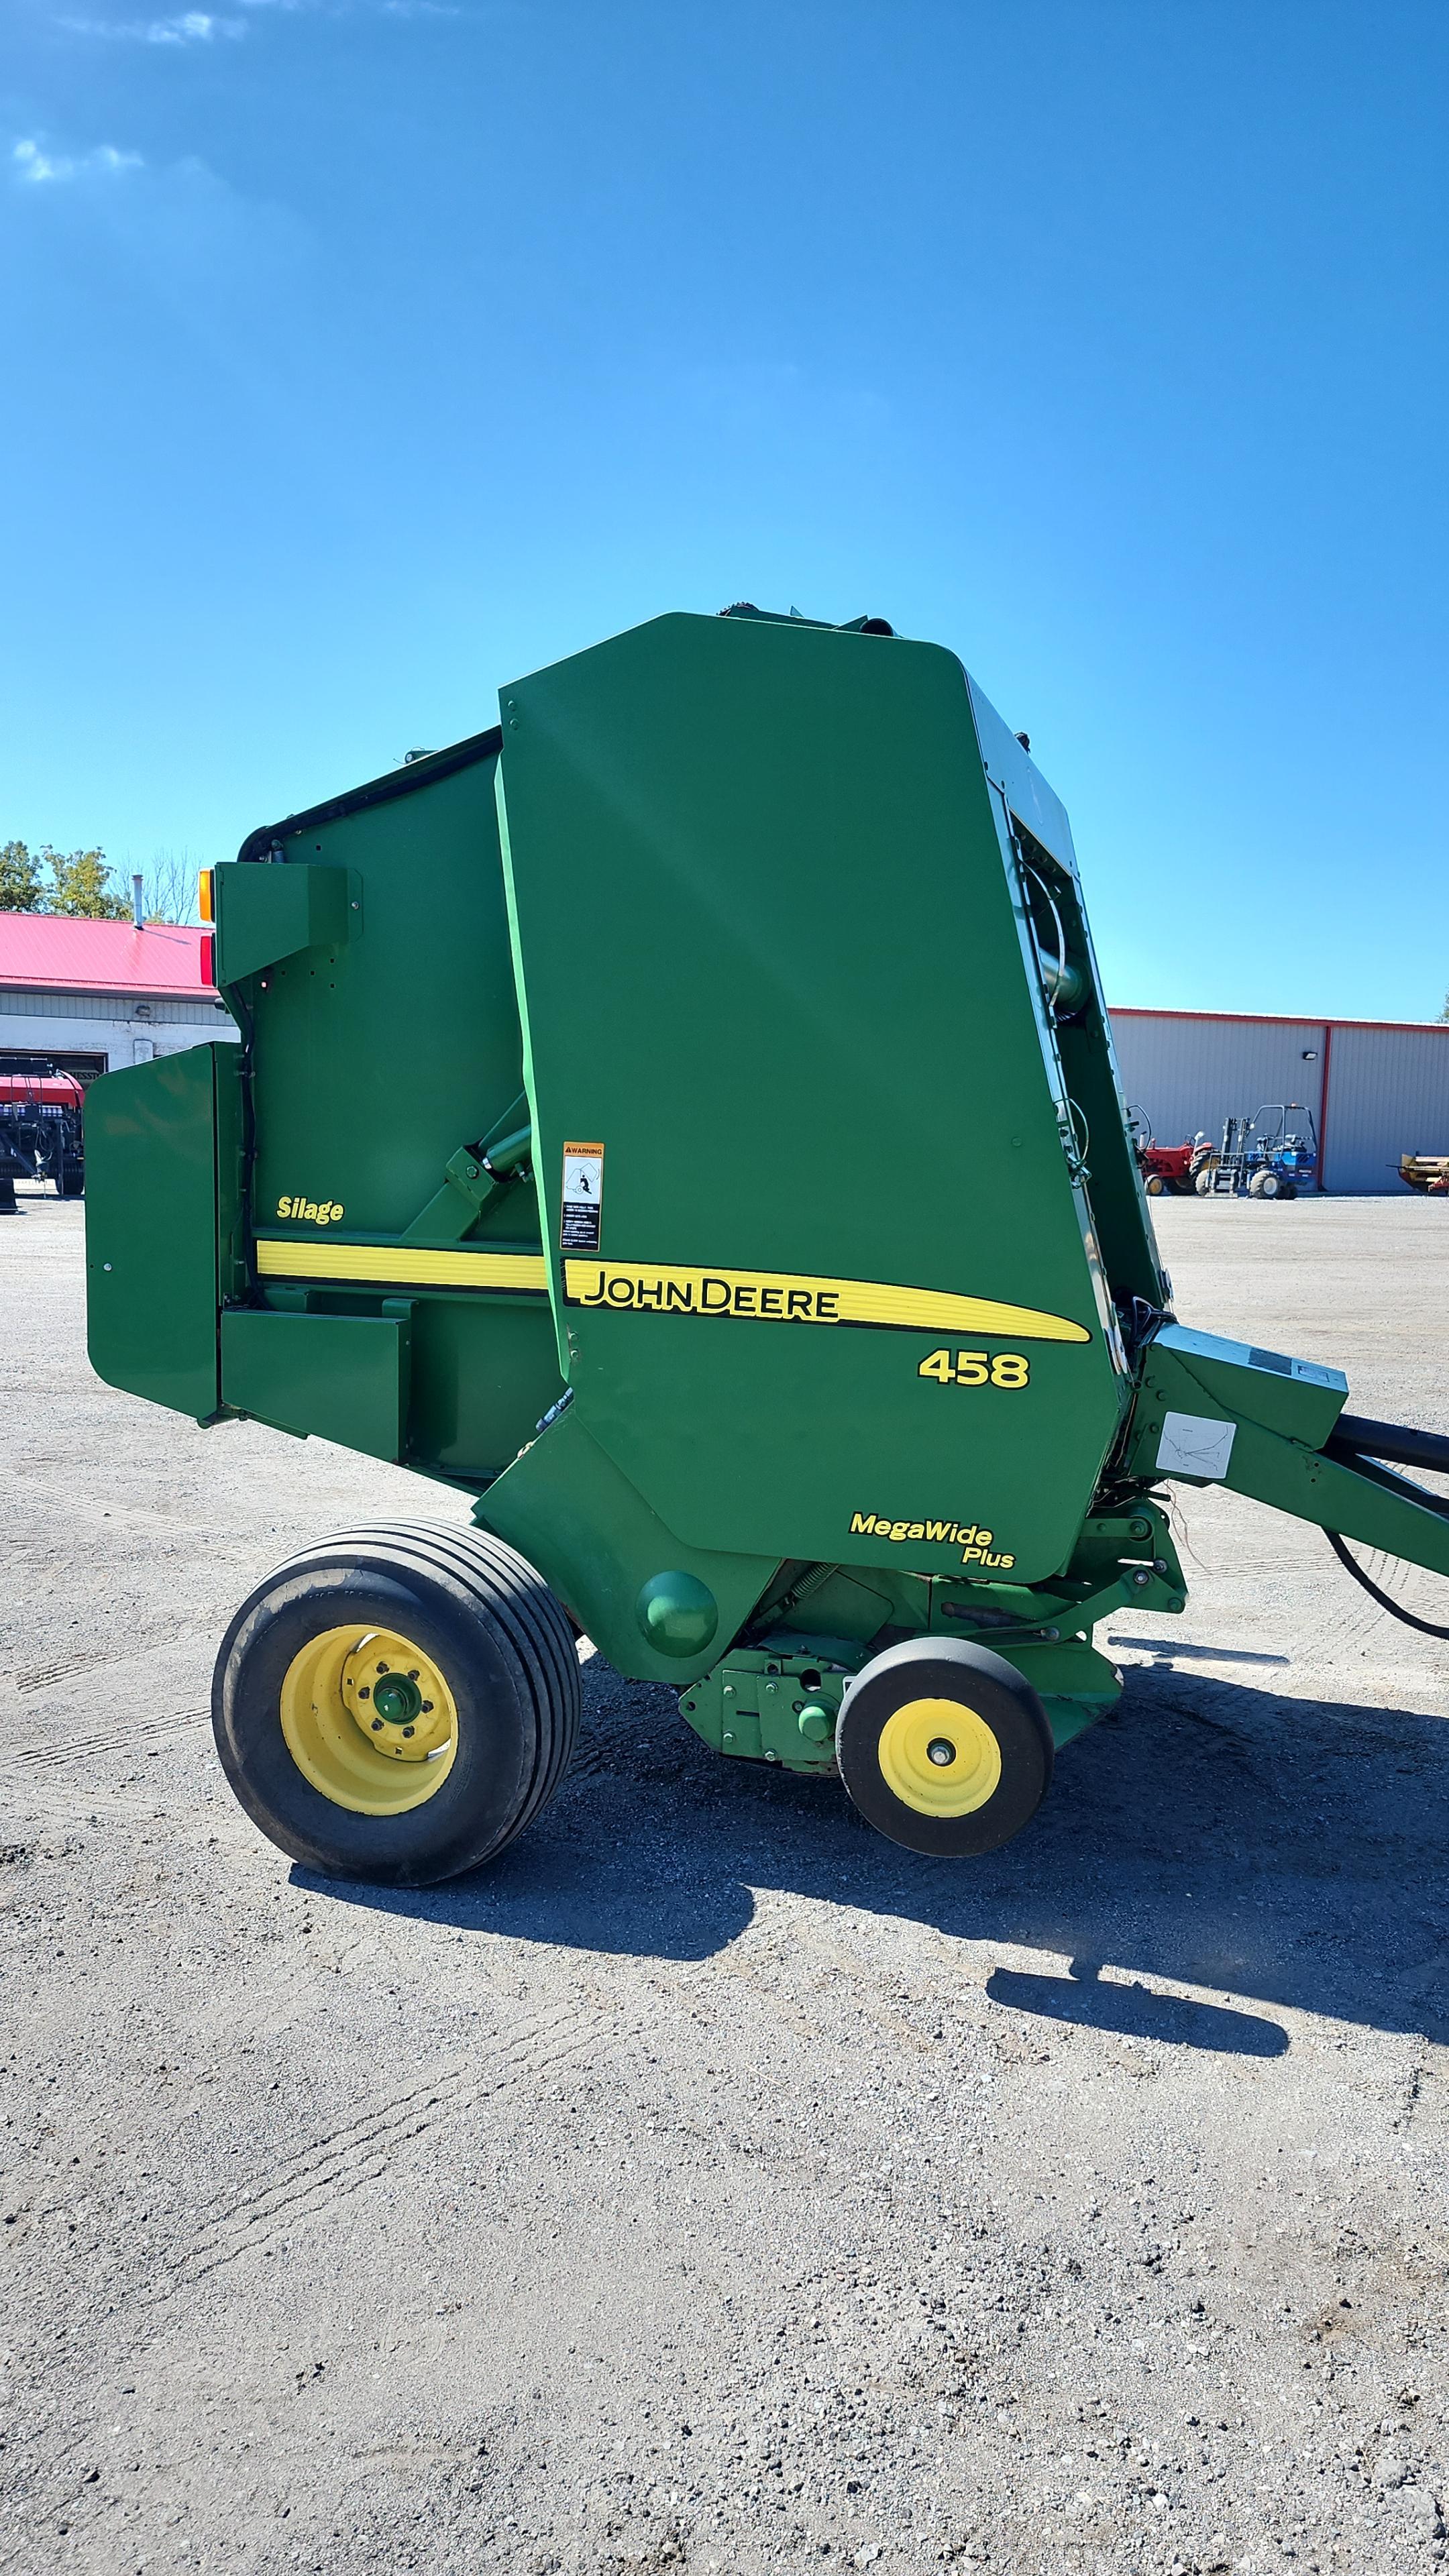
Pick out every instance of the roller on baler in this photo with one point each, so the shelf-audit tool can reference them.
(684, 1120)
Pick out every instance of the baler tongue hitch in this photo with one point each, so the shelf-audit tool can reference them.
(1390, 1442)
(793, 1318)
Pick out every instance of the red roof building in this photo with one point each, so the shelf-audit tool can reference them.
(43, 952)
(91, 995)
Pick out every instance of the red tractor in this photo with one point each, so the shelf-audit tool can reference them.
(1166, 1169)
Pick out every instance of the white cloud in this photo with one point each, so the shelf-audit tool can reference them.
(190, 27)
(193, 27)
(34, 166)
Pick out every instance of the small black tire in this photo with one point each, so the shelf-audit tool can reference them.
(474, 1613)
(944, 1691)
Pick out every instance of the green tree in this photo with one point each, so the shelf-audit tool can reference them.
(20, 886)
(78, 886)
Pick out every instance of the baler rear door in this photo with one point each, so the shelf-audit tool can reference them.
(163, 1174)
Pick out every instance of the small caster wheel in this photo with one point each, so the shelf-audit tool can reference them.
(944, 1747)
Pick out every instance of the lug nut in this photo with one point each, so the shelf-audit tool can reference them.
(377, 1726)
(427, 1708)
(366, 1691)
(407, 1730)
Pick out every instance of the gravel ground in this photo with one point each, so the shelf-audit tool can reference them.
(712, 2186)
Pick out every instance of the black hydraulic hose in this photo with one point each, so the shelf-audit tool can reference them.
(1426, 1627)
(1391, 1442)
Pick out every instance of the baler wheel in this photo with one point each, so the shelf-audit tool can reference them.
(944, 1747)
(397, 1704)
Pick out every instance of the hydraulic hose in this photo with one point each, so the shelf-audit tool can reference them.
(1392, 1443)
(1426, 1627)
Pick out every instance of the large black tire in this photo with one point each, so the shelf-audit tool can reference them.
(975, 1710)
(478, 1615)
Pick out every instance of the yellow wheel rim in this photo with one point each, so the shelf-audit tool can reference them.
(369, 1719)
(939, 1757)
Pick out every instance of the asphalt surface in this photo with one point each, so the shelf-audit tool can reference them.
(712, 2186)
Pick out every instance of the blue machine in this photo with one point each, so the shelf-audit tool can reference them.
(1272, 1155)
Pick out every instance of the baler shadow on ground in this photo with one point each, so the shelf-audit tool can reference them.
(1282, 1851)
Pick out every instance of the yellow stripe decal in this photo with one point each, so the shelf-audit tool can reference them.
(783, 1296)
(378, 1265)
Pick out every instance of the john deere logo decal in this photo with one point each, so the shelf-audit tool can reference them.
(789, 1297)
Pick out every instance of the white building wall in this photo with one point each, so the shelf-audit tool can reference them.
(1387, 1087)
(124, 1031)
(1185, 1074)
(1388, 1094)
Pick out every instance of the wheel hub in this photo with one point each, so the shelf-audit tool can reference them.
(369, 1719)
(397, 1700)
(939, 1757)
(397, 1697)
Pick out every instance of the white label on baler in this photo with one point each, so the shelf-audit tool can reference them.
(1193, 1444)
(583, 1192)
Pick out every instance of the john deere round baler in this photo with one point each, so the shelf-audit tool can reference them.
(684, 1119)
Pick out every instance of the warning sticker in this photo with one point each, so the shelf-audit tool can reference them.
(583, 1191)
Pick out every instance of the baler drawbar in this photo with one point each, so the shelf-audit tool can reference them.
(683, 1121)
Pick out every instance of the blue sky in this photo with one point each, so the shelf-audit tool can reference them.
(364, 354)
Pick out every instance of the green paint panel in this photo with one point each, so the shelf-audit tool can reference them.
(483, 1377)
(771, 957)
(376, 1058)
(566, 1507)
(266, 911)
(377, 1055)
(162, 1211)
(340, 1377)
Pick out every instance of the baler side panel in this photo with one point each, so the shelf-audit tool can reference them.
(378, 1055)
(387, 1037)
(163, 1223)
(565, 1506)
(768, 960)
